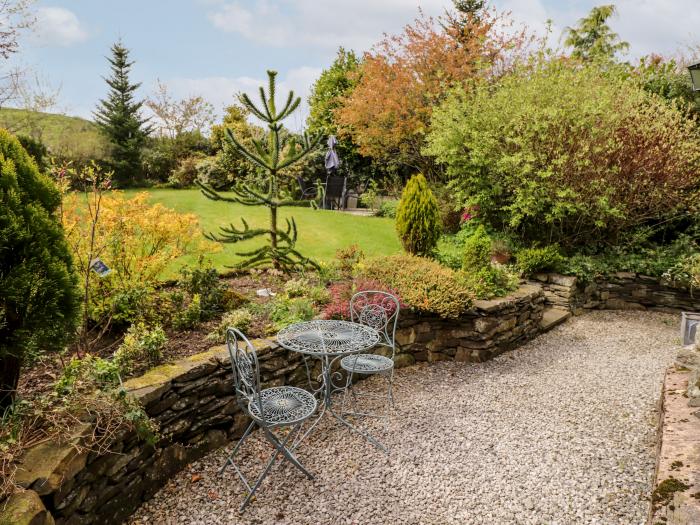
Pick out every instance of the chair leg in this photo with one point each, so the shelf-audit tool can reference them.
(233, 453)
(288, 454)
(390, 379)
(278, 448)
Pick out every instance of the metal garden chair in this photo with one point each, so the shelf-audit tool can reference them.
(271, 408)
(378, 310)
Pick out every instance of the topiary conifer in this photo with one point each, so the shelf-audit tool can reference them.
(418, 217)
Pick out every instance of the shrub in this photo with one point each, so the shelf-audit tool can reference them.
(240, 319)
(477, 250)
(418, 217)
(39, 297)
(562, 152)
(297, 287)
(137, 240)
(141, 345)
(533, 260)
(285, 311)
(338, 306)
(388, 208)
(491, 281)
(348, 258)
(422, 283)
(450, 215)
(204, 281)
(185, 174)
(87, 373)
(212, 172)
(190, 316)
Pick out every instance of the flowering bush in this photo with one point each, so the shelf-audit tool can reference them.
(341, 293)
(135, 239)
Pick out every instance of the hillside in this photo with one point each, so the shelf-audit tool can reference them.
(74, 137)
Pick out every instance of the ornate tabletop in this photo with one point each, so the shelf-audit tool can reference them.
(328, 337)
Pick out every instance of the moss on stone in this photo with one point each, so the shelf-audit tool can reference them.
(665, 490)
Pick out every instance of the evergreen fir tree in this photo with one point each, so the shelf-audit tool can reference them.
(119, 118)
(272, 154)
(593, 39)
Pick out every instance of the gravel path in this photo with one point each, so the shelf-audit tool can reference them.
(559, 431)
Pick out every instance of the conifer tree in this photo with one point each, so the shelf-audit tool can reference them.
(593, 39)
(119, 118)
(418, 217)
(272, 154)
(39, 297)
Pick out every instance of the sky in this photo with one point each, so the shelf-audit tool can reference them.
(215, 48)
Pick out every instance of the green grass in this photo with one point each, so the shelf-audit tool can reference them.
(63, 135)
(321, 232)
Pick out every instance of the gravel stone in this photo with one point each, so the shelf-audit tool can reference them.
(559, 431)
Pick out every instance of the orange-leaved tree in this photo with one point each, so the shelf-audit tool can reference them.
(388, 113)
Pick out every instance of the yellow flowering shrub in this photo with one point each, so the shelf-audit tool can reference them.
(137, 240)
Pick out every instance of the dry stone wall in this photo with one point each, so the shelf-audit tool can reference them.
(193, 402)
(619, 291)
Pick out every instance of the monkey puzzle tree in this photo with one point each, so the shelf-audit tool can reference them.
(273, 154)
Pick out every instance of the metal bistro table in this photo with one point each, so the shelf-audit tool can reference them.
(329, 341)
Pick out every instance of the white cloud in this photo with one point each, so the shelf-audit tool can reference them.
(650, 26)
(59, 27)
(220, 91)
(282, 23)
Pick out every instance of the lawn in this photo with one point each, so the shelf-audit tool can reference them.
(321, 232)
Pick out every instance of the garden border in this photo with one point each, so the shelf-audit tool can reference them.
(193, 402)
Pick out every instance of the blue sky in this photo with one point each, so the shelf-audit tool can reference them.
(214, 48)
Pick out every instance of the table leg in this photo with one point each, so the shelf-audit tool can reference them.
(327, 389)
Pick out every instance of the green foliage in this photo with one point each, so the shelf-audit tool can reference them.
(90, 388)
(418, 217)
(560, 153)
(491, 281)
(172, 159)
(477, 250)
(672, 260)
(272, 156)
(285, 311)
(422, 283)
(669, 80)
(37, 150)
(203, 281)
(189, 316)
(88, 372)
(593, 39)
(388, 208)
(348, 258)
(39, 298)
(533, 260)
(141, 345)
(241, 319)
(212, 171)
(119, 118)
(297, 287)
(327, 95)
(184, 175)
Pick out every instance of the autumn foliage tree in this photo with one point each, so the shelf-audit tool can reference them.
(387, 114)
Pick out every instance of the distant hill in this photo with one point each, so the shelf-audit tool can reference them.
(73, 137)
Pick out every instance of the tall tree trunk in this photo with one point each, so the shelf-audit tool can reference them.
(9, 377)
(273, 235)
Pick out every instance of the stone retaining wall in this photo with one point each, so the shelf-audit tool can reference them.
(193, 402)
(620, 291)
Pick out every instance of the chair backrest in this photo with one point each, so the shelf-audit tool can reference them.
(246, 370)
(335, 186)
(379, 310)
